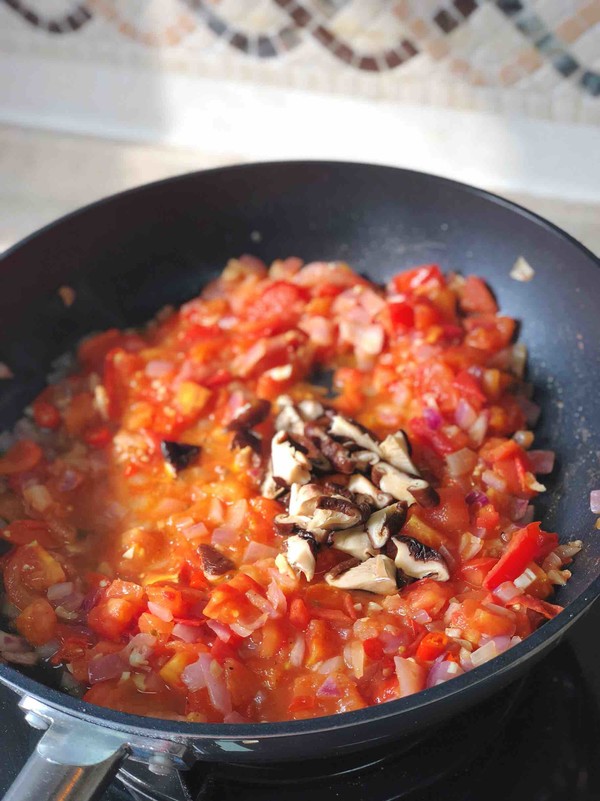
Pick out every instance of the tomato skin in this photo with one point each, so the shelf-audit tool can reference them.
(299, 614)
(98, 437)
(527, 545)
(476, 297)
(402, 316)
(410, 280)
(37, 622)
(28, 572)
(373, 648)
(23, 455)
(25, 532)
(46, 415)
(279, 302)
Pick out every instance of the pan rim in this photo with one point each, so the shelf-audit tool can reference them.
(153, 727)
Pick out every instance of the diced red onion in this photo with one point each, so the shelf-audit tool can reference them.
(479, 428)
(465, 660)
(222, 631)
(432, 417)
(197, 531)
(277, 597)
(48, 649)
(10, 643)
(391, 641)
(484, 653)
(530, 409)
(138, 649)
(236, 514)
(448, 556)
(186, 633)
(523, 438)
(224, 536)
(595, 501)
(480, 532)
(216, 511)
(217, 689)
(461, 462)
(21, 657)
(470, 545)
(476, 496)
(156, 368)
(329, 688)
(493, 480)
(69, 480)
(331, 665)
(442, 671)
(297, 652)
(320, 330)
(103, 668)
(541, 462)
(465, 415)
(235, 717)
(499, 610)
(246, 629)
(528, 516)
(194, 675)
(59, 591)
(257, 600)
(569, 549)
(371, 339)
(506, 591)
(421, 616)
(518, 508)
(256, 551)
(160, 611)
(411, 676)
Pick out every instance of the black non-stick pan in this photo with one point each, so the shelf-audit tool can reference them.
(131, 254)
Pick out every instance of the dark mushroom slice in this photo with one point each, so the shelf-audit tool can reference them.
(398, 484)
(355, 542)
(334, 512)
(270, 488)
(396, 450)
(288, 463)
(214, 563)
(319, 462)
(345, 428)
(426, 497)
(386, 523)
(332, 450)
(364, 460)
(250, 415)
(417, 560)
(361, 486)
(246, 439)
(300, 553)
(178, 454)
(377, 575)
(304, 499)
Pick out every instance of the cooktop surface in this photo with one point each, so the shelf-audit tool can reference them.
(535, 741)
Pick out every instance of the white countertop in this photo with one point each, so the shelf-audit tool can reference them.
(45, 175)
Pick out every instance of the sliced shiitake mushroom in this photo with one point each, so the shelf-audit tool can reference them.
(250, 414)
(417, 560)
(377, 574)
(398, 484)
(386, 523)
(246, 439)
(355, 542)
(288, 463)
(214, 563)
(335, 512)
(300, 553)
(361, 486)
(395, 449)
(343, 428)
(179, 454)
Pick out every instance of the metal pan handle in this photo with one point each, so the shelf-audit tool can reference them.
(73, 761)
(44, 780)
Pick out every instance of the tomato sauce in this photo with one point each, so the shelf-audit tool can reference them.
(146, 554)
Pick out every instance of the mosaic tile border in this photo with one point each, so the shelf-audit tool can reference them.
(430, 34)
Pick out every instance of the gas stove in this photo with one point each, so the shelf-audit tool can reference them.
(537, 740)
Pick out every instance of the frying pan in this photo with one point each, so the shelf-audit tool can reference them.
(130, 254)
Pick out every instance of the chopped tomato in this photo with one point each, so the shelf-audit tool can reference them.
(23, 455)
(299, 614)
(419, 277)
(526, 545)
(476, 297)
(37, 622)
(25, 532)
(112, 618)
(46, 415)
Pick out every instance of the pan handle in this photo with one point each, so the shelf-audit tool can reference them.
(73, 761)
(44, 780)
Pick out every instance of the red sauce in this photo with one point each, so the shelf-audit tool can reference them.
(114, 546)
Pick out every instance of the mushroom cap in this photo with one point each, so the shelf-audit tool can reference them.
(343, 428)
(288, 463)
(417, 560)
(355, 542)
(395, 449)
(361, 485)
(386, 523)
(398, 484)
(300, 555)
(377, 575)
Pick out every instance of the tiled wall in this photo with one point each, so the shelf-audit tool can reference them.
(538, 58)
